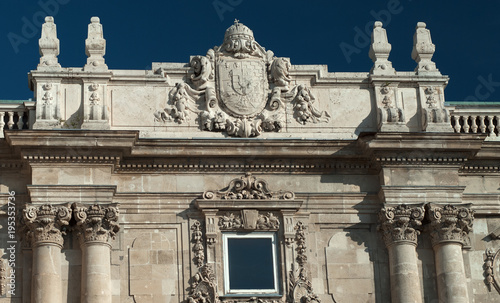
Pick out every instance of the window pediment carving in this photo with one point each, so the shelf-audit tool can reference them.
(248, 187)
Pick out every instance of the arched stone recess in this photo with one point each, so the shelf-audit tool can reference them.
(248, 210)
(155, 265)
(349, 268)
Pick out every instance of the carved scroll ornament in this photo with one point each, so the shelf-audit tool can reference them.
(248, 187)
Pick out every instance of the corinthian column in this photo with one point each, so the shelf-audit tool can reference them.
(399, 226)
(449, 229)
(96, 225)
(44, 224)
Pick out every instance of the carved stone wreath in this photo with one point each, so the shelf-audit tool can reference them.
(240, 88)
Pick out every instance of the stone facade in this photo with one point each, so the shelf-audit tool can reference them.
(128, 186)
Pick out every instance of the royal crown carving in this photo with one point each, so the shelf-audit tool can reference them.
(248, 187)
(241, 89)
(401, 223)
(96, 223)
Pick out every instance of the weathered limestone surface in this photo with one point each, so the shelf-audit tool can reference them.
(128, 182)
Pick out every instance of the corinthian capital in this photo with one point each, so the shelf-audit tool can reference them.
(44, 224)
(450, 223)
(401, 223)
(96, 223)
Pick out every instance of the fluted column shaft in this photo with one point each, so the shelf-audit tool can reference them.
(96, 225)
(44, 226)
(399, 226)
(449, 228)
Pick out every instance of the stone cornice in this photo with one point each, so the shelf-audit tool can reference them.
(72, 193)
(43, 224)
(445, 143)
(450, 223)
(401, 223)
(71, 140)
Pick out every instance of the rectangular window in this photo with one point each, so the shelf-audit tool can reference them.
(250, 263)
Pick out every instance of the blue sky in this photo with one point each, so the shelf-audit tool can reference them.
(466, 35)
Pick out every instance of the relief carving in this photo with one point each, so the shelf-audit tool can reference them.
(198, 248)
(401, 223)
(203, 286)
(300, 287)
(304, 108)
(434, 113)
(491, 269)
(239, 88)
(45, 223)
(449, 223)
(251, 220)
(96, 223)
(390, 113)
(248, 187)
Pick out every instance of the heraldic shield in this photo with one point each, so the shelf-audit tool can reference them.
(242, 85)
(241, 89)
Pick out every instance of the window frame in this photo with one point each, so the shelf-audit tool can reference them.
(273, 235)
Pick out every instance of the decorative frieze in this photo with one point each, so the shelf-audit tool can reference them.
(248, 187)
(249, 220)
(45, 223)
(96, 223)
(450, 223)
(401, 223)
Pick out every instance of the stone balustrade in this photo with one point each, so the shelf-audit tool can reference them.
(477, 118)
(16, 114)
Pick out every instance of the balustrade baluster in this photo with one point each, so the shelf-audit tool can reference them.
(491, 127)
(466, 124)
(20, 122)
(482, 126)
(457, 123)
(474, 124)
(10, 123)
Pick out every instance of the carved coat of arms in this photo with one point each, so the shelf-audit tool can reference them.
(240, 88)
